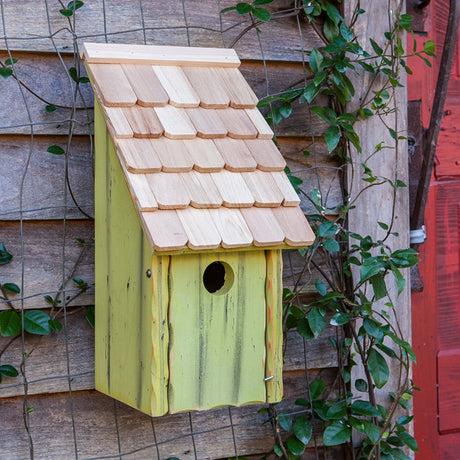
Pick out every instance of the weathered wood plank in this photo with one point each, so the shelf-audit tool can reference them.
(45, 172)
(46, 82)
(45, 193)
(381, 203)
(105, 427)
(48, 77)
(43, 256)
(28, 28)
(49, 358)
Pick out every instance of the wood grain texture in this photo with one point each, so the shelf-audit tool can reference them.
(237, 123)
(138, 156)
(177, 86)
(204, 84)
(173, 154)
(258, 120)
(125, 366)
(199, 228)
(46, 172)
(233, 189)
(207, 123)
(320, 354)
(205, 155)
(169, 190)
(202, 190)
(164, 230)
(231, 227)
(176, 123)
(280, 38)
(48, 77)
(157, 55)
(380, 203)
(263, 188)
(236, 87)
(266, 154)
(232, 329)
(274, 326)
(143, 121)
(146, 85)
(263, 225)
(118, 123)
(297, 230)
(140, 191)
(96, 434)
(236, 155)
(112, 85)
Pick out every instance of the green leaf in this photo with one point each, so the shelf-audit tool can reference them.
(5, 256)
(317, 388)
(73, 74)
(409, 441)
(75, 5)
(311, 91)
(336, 411)
(55, 150)
(378, 368)
(285, 421)
(347, 34)
(294, 446)
(11, 62)
(333, 13)
(327, 228)
(379, 286)
(361, 385)
(83, 80)
(49, 299)
(50, 108)
(10, 323)
(315, 61)
(429, 47)
(372, 328)
(376, 47)
(332, 136)
(398, 454)
(262, 2)
(90, 315)
(330, 30)
(303, 429)
(55, 325)
(303, 328)
(6, 72)
(316, 321)
(12, 287)
(278, 451)
(360, 407)
(230, 8)
(336, 433)
(243, 8)
(339, 319)
(371, 430)
(383, 225)
(285, 109)
(65, 12)
(321, 287)
(37, 322)
(369, 268)
(325, 113)
(8, 371)
(262, 14)
(331, 245)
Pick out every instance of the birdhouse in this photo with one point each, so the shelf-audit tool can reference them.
(193, 209)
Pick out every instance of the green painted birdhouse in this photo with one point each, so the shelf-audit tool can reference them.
(192, 210)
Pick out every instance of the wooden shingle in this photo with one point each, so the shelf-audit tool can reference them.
(197, 154)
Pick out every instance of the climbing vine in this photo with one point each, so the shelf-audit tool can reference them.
(356, 269)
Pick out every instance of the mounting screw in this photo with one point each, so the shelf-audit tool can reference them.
(148, 273)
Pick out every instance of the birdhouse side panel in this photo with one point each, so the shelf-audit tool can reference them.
(274, 330)
(217, 339)
(124, 293)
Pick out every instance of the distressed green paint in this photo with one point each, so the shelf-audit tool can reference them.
(274, 329)
(129, 312)
(217, 342)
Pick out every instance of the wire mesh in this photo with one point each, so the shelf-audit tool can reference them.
(45, 104)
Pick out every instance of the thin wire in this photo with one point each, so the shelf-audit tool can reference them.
(115, 413)
(192, 434)
(233, 432)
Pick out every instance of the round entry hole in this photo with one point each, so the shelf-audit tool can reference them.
(218, 278)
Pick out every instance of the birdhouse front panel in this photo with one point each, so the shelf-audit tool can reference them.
(192, 210)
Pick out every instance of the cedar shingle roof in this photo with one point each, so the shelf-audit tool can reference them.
(196, 152)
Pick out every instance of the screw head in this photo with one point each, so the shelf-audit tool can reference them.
(148, 273)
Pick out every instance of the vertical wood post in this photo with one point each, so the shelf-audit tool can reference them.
(380, 203)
